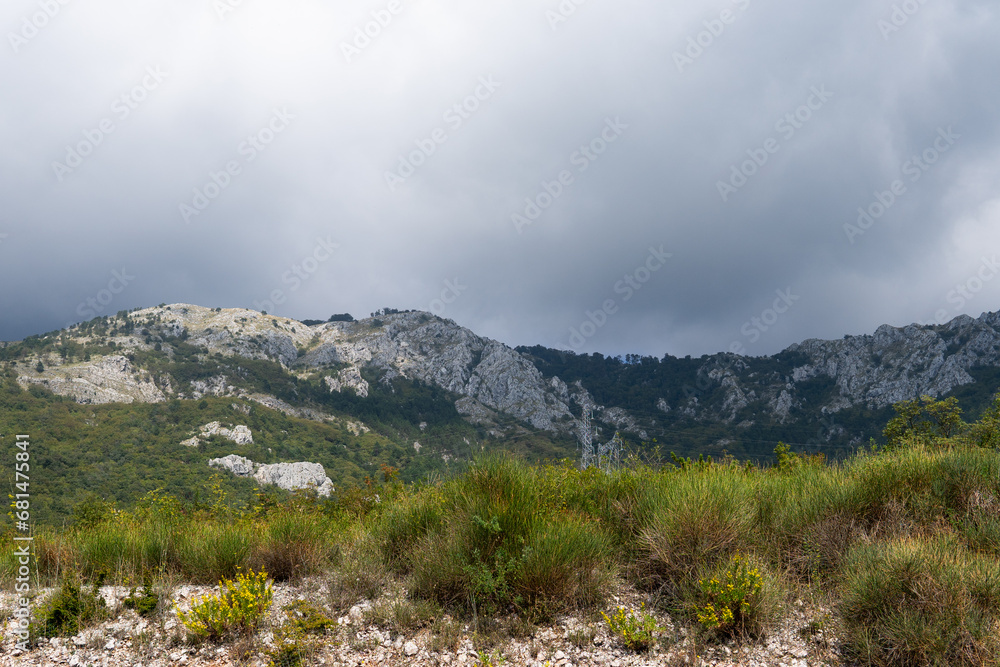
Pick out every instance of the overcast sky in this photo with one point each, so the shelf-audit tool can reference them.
(689, 173)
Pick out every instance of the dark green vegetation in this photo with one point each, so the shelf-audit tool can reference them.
(903, 542)
(637, 383)
(71, 608)
(144, 601)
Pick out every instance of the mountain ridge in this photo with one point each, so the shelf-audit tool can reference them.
(543, 389)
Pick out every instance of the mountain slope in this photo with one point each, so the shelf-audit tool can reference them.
(418, 392)
(829, 395)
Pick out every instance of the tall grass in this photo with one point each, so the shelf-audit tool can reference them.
(200, 549)
(917, 601)
(691, 521)
(497, 537)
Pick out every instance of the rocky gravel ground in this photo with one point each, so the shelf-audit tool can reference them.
(805, 637)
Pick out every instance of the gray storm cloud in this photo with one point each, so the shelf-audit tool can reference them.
(791, 171)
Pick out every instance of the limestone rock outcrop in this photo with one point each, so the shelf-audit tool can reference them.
(238, 465)
(293, 476)
(288, 476)
(239, 434)
(111, 379)
(348, 378)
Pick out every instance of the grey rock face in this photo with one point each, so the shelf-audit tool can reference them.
(238, 465)
(111, 379)
(349, 378)
(288, 476)
(875, 371)
(415, 346)
(294, 476)
(736, 398)
(896, 364)
(506, 381)
(782, 405)
(239, 434)
(622, 420)
(418, 346)
(474, 411)
(214, 386)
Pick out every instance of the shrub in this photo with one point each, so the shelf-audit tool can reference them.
(494, 659)
(693, 520)
(728, 599)
(307, 618)
(295, 640)
(71, 608)
(567, 560)
(504, 543)
(818, 553)
(921, 602)
(403, 617)
(898, 492)
(359, 575)
(91, 511)
(924, 420)
(239, 607)
(213, 550)
(292, 544)
(636, 631)
(145, 601)
(288, 651)
(406, 521)
(981, 531)
(986, 432)
(55, 556)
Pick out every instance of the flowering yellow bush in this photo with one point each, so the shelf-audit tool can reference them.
(239, 607)
(636, 630)
(729, 602)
